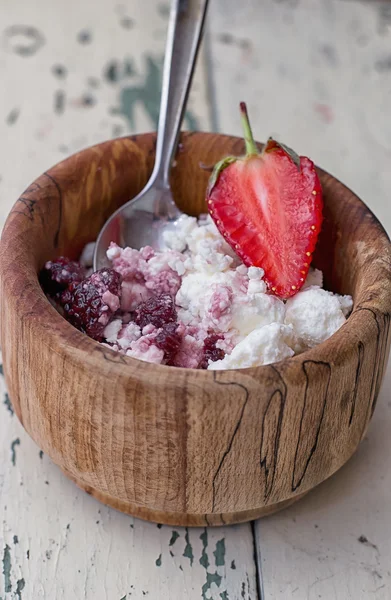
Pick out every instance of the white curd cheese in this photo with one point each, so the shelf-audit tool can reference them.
(216, 294)
(262, 346)
(112, 330)
(315, 315)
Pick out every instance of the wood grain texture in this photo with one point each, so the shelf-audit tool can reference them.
(206, 447)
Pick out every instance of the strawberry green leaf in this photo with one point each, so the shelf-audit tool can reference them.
(218, 168)
(272, 144)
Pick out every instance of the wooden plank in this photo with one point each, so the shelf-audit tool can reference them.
(76, 77)
(317, 75)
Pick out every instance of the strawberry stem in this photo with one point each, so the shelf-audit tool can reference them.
(251, 148)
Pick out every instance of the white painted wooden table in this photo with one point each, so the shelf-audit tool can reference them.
(317, 73)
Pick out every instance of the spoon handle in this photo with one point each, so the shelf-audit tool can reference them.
(184, 35)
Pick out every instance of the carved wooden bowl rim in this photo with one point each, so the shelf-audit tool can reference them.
(93, 354)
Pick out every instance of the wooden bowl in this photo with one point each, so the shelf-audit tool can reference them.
(182, 446)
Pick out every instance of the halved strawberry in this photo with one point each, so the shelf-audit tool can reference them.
(268, 206)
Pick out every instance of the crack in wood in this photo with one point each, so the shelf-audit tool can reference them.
(269, 447)
(360, 358)
(304, 452)
(383, 355)
(236, 429)
(381, 351)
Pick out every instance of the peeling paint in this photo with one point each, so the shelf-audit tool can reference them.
(116, 70)
(23, 39)
(129, 68)
(164, 10)
(192, 122)
(384, 18)
(233, 565)
(13, 450)
(383, 64)
(248, 584)
(59, 102)
(146, 94)
(188, 552)
(174, 537)
(230, 40)
(20, 584)
(7, 569)
(111, 72)
(204, 560)
(158, 561)
(12, 116)
(84, 37)
(59, 71)
(16, 539)
(219, 553)
(210, 578)
(88, 100)
(330, 54)
(364, 540)
(7, 404)
(224, 596)
(41, 454)
(127, 23)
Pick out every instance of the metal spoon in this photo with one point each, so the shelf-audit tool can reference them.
(141, 221)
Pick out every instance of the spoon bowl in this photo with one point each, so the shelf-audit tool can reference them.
(141, 222)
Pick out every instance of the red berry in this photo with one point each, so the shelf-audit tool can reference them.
(91, 304)
(158, 310)
(168, 339)
(268, 207)
(57, 275)
(211, 352)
